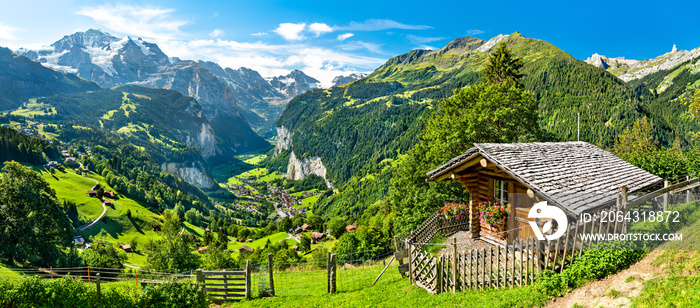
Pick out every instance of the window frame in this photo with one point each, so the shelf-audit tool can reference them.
(500, 190)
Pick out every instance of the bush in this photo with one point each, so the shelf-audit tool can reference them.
(605, 259)
(69, 292)
(174, 294)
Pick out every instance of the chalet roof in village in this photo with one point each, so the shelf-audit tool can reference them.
(576, 176)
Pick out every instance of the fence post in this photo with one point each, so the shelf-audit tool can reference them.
(438, 268)
(200, 277)
(330, 268)
(687, 191)
(247, 279)
(410, 263)
(454, 265)
(666, 184)
(328, 271)
(97, 284)
(269, 269)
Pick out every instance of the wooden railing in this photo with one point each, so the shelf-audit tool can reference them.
(435, 224)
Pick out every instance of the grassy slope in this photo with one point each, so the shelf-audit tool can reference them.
(680, 287)
(355, 289)
(6, 273)
(73, 187)
(274, 238)
(115, 226)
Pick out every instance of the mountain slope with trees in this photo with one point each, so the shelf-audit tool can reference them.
(354, 127)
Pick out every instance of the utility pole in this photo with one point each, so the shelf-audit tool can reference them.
(578, 130)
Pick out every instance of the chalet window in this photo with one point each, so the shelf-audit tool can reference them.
(500, 191)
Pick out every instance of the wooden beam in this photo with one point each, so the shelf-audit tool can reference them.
(487, 172)
(455, 169)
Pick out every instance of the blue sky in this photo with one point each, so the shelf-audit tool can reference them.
(326, 39)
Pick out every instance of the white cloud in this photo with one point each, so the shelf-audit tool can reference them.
(8, 32)
(274, 59)
(426, 47)
(380, 24)
(422, 40)
(260, 34)
(149, 22)
(345, 36)
(474, 32)
(357, 45)
(291, 31)
(216, 33)
(319, 28)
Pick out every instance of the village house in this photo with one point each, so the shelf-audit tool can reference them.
(108, 194)
(351, 228)
(78, 240)
(306, 228)
(245, 248)
(108, 202)
(204, 249)
(52, 164)
(317, 236)
(71, 161)
(576, 177)
(126, 248)
(92, 193)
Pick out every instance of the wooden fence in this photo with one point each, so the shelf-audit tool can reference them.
(517, 263)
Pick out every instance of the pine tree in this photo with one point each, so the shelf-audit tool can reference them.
(503, 67)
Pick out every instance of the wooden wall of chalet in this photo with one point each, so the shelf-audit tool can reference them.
(479, 181)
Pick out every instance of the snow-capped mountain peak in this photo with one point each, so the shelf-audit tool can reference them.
(343, 79)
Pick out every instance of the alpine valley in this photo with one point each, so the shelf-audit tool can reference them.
(191, 147)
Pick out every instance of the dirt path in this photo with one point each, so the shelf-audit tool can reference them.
(612, 291)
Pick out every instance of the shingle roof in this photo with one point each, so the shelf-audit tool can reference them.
(577, 176)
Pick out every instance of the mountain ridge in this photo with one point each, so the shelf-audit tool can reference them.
(110, 62)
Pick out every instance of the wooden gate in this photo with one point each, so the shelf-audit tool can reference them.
(226, 285)
(424, 270)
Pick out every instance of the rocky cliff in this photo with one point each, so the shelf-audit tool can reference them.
(298, 169)
(284, 140)
(191, 173)
(218, 105)
(629, 70)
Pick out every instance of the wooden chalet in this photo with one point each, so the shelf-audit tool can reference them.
(317, 236)
(108, 202)
(92, 193)
(351, 228)
(305, 228)
(108, 194)
(204, 249)
(245, 248)
(127, 248)
(577, 177)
